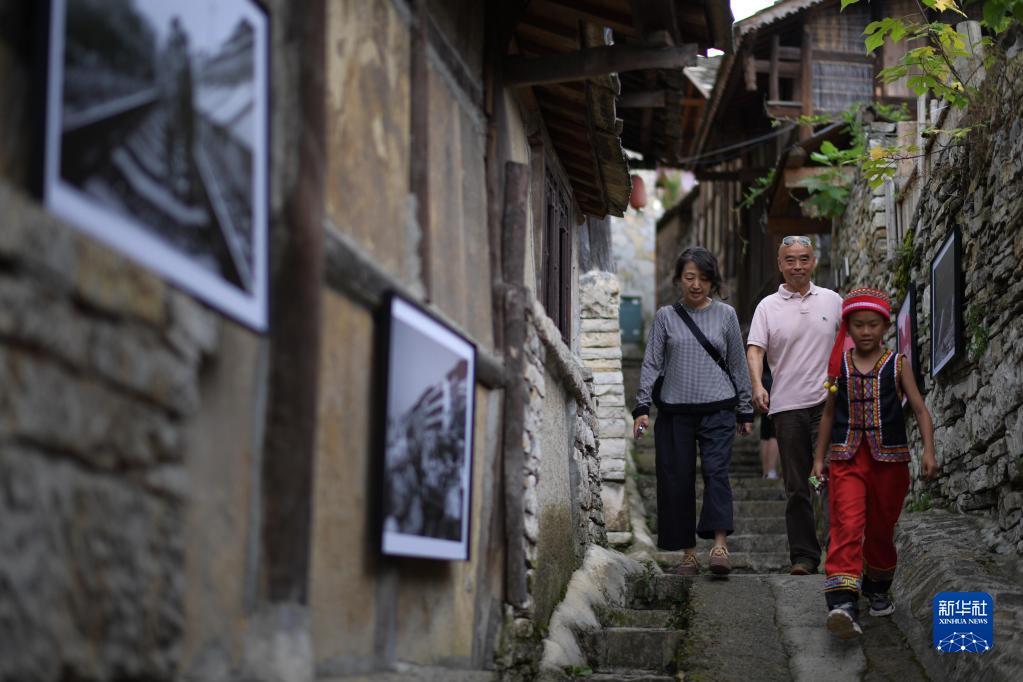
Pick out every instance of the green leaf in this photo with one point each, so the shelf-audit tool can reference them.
(828, 148)
(846, 3)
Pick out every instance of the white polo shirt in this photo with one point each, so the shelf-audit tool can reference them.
(797, 334)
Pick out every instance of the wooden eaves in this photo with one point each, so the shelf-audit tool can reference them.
(785, 216)
(570, 70)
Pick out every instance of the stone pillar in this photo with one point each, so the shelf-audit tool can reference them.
(600, 345)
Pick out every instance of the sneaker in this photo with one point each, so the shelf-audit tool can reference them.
(719, 563)
(771, 475)
(844, 621)
(689, 565)
(880, 603)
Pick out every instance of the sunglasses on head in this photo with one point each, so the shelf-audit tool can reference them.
(787, 241)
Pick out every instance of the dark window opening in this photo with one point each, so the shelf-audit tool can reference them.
(556, 272)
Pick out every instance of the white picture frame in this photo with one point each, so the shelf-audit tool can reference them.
(156, 139)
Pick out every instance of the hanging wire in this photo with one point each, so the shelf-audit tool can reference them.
(711, 157)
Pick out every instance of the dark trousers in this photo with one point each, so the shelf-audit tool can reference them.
(676, 437)
(796, 431)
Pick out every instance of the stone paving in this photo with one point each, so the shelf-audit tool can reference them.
(761, 623)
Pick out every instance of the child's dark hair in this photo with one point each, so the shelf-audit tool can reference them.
(705, 261)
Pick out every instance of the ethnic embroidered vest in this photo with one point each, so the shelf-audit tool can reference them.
(869, 407)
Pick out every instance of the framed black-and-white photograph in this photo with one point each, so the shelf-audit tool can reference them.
(156, 139)
(429, 409)
(905, 333)
(946, 303)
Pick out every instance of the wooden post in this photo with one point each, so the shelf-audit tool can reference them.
(295, 298)
(806, 80)
(595, 61)
(773, 91)
(419, 165)
(516, 394)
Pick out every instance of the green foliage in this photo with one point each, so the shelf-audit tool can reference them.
(829, 190)
(904, 258)
(1000, 14)
(980, 333)
(755, 190)
(892, 112)
(919, 503)
(928, 66)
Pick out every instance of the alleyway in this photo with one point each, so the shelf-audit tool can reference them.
(759, 624)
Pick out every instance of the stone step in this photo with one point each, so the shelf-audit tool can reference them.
(639, 618)
(747, 525)
(753, 525)
(742, 562)
(633, 649)
(658, 591)
(750, 488)
(744, 543)
(630, 676)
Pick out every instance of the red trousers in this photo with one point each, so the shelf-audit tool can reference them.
(864, 502)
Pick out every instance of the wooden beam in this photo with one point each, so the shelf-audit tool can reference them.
(642, 100)
(348, 271)
(847, 57)
(786, 69)
(654, 15)
(750, 73)
(595, 61)
(784, 226)
(789, 54)
(579, 10)
(737, 175)
(772, 74)
(783, 109)
(419, 132)
(548, 35)
(806, 80)
(794, 176)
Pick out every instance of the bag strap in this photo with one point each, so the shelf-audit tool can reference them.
(707, 345)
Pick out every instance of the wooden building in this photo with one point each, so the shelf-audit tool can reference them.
(795, 58)
(456, 152)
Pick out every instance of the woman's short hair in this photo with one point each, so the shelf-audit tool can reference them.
(705, 261)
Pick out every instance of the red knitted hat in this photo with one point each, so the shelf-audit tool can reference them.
(857, 299)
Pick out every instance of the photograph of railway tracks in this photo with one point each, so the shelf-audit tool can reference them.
(156, 138)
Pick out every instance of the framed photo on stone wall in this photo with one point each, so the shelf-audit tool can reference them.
(946, 303)
(156, 139)
(905, 335)
(429, 379)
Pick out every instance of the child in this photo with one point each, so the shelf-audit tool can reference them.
(863, 433)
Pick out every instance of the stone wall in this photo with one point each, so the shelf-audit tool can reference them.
(100, 364)
(977, 400)
(562, 486)
(601, 351)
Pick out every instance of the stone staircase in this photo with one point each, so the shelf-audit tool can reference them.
(640, 642)
(759, 544)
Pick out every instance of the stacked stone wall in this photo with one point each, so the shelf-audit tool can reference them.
(976, 400)
(100, 365)
(601, 350)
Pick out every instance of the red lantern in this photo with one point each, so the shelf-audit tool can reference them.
(638, 197)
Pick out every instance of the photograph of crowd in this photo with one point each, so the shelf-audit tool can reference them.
(428, 450)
